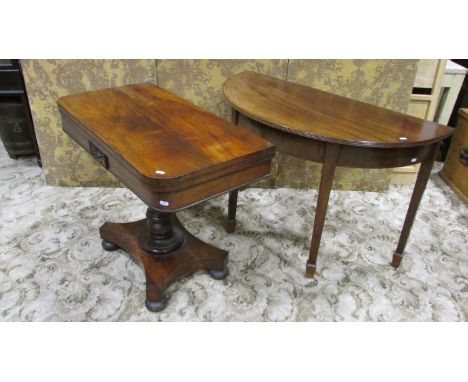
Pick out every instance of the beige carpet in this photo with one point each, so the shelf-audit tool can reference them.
(52, 267)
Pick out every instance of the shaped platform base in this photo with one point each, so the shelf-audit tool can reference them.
(161, 270)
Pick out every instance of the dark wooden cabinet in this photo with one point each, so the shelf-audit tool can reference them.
(16, 126)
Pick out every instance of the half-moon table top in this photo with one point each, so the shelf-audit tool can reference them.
(323, 116)
(162, 136)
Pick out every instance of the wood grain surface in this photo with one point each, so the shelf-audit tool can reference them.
(171, 153)
(316, 114)
(160, 135)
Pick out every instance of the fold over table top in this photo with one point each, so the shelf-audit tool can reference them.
(323, 116)
(160, 136)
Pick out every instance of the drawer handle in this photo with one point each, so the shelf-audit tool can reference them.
(464, 156)
(98, 155)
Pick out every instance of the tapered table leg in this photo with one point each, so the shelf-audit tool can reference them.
(328, 170)
(419, 187)
(232, 207)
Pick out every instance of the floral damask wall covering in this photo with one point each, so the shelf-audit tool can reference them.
(386, 83)
(201, 81)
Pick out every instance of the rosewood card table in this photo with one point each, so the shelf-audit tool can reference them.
(336, 131)
(172, 155)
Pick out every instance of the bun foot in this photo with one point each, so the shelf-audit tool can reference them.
(310, 270)
(397, 257)
(108, 246)
(156, 305)
(219, 275)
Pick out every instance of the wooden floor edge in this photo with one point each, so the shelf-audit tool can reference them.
(457, 191)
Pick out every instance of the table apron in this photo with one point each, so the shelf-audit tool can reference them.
(349, 156)
(371, 157)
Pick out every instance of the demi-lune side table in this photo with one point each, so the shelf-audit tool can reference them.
(172, 154)
(335, 131)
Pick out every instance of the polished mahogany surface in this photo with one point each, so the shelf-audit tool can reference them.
(323, 116)
(160, 135)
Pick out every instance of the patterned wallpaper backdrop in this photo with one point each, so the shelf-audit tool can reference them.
(386, 83)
